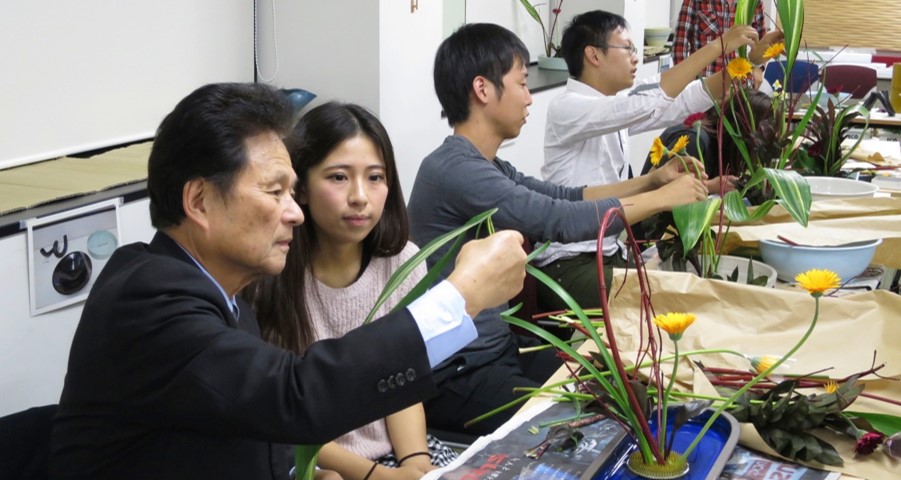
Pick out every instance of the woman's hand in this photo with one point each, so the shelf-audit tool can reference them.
(684, 190)
(673, 169)
(728, 181)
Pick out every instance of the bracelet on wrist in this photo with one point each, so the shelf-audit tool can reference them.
(414, 454)
(369, 473)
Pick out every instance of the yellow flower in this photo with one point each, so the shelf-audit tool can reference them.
(657, 150)
(817, 281)
(680, 145)
(831, 386)
(674, 323)
(763, 362)
(739, 68)
(774, 51)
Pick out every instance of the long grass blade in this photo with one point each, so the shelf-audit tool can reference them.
(424, 253)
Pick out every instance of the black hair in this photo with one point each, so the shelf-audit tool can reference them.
(279, 300)
(476, 49)
(590, 28)
(204, 137)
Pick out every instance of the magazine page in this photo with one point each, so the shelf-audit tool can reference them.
(501, 455)
(746, 464)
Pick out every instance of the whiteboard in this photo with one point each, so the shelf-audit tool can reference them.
(87, 74)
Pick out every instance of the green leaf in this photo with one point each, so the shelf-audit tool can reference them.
(532, 12)
(744, 15)
(737, 211)
(694, 219)
(886, 424)
(791, 15)
(404, 271)
(793, 192)
(802, 446)
(305, 457)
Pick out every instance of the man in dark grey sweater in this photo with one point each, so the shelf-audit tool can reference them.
(480, 78)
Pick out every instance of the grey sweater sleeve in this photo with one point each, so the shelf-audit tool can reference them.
(455, 183)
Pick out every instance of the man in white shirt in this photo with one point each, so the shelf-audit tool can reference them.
(588, 127)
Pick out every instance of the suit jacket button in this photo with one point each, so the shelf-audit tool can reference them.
(411, 374)
(383, 386)
(391, 383)
(400, 379)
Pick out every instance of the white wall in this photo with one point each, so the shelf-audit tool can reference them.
(376, 54)
(94, 73)
(34, 351)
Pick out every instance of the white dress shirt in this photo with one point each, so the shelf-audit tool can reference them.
(586, 140)
(443, 323)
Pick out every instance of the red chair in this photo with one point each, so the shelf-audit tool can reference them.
(857, 80)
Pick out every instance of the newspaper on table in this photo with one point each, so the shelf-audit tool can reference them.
(501, 455)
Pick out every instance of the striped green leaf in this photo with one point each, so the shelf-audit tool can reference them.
(744, 15)
(737, 211)
(791, 15)
(694, 219)
(792, 191)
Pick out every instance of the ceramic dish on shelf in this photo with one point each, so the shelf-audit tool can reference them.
(656, 37)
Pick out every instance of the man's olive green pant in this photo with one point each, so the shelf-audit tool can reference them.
(579, 277)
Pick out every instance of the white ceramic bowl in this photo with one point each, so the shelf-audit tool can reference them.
(848, 261)
(830, 188)
(656, 37)
(824, 98)
(728, 264)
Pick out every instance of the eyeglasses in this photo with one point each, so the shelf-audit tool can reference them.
(631, 48)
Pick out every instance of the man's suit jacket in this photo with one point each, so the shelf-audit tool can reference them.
(163, 384)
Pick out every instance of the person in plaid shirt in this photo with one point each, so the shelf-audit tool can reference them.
(703, 21)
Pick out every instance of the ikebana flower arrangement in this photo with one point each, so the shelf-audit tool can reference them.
(551, 49)
(764, 147)
(642, 398)
(635, 395)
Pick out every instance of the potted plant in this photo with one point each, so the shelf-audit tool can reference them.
(822, 154)
(551, 59)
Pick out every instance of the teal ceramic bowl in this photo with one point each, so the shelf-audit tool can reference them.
(848, 261)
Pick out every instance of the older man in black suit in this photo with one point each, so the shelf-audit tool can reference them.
(163, 383)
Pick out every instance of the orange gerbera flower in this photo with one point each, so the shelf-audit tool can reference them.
(657, 151)
(680, 145)
(739, 68)
(817, 281)
(774, 51)
(674, 323)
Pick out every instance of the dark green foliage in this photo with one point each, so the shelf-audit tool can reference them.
(821, 153)
(784, 419)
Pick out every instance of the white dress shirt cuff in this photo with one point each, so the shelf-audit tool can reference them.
(443, 323)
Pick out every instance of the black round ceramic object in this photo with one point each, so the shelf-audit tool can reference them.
(72, 273)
